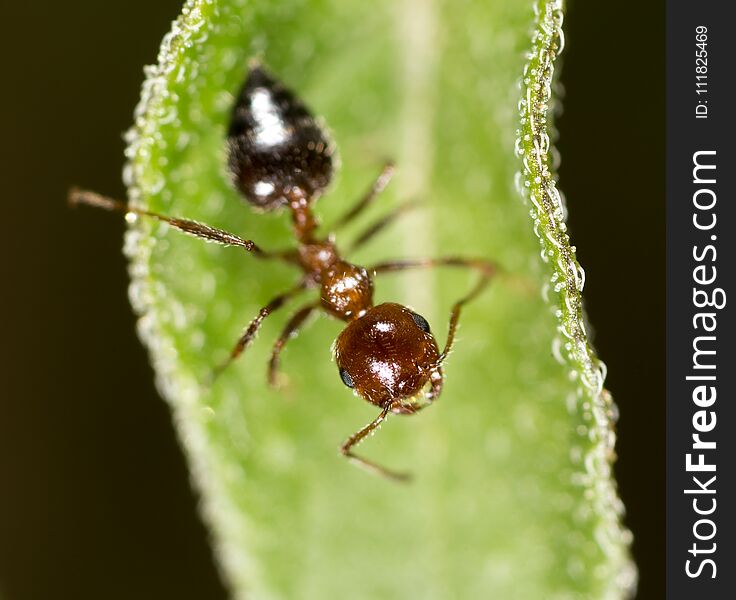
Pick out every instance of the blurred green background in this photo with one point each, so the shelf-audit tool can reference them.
(94, 496)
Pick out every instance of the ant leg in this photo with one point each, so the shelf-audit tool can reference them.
(378, 186)
(194, 228)
(356, 438)
(290, 330)
(381, 224)
(485, 268)
(250, 332)
(436, 380)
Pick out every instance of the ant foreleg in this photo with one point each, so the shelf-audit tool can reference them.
(356, 438)
(378, 186)
(194, 228)
(436, 380)
(485, 268)
(290, 330)
(250, 332)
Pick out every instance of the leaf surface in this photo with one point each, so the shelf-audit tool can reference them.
(512, 496)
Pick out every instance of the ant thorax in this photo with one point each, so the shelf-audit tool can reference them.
(347, 291)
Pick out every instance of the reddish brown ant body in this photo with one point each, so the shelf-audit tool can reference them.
(279, 157)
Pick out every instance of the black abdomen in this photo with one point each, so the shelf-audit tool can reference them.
(277, 151)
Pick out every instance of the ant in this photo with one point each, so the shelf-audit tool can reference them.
(280, 157)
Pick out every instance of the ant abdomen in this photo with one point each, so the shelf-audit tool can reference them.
(278, 153)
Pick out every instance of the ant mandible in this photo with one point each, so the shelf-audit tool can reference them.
(280, 157)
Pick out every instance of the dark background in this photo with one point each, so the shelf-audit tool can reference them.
(688, 531)
(94, 497)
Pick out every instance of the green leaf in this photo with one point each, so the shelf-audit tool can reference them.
(513, 496)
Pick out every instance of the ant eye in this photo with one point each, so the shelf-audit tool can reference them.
(421, 322)
(346, 379)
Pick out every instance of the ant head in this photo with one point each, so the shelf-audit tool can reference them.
(277, 151)
(387, 354)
